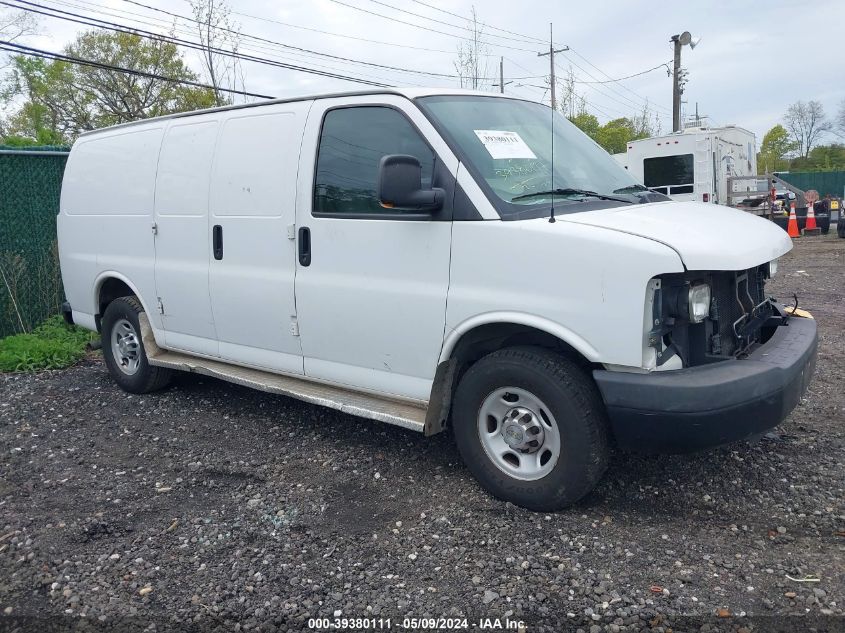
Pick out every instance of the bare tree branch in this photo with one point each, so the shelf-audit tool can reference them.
(806, 123)
(218, 31)
(471, 64)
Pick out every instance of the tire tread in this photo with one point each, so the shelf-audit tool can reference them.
(583, 393)
(157, 378)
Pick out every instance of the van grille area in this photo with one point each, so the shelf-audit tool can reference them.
(738, 310)
(738, 313)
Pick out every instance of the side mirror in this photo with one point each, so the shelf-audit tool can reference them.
(400, 185)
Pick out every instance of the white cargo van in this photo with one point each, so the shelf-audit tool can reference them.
(432, 259)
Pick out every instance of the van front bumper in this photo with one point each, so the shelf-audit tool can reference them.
(701, 407)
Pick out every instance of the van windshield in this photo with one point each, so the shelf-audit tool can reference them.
(507, 145)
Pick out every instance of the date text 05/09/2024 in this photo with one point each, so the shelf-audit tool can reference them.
(415, 624)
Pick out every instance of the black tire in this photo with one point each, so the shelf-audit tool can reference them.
(145, 378)
(575, 406)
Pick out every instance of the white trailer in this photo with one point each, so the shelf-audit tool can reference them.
(695, 164)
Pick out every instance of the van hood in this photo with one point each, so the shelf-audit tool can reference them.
(705, 236)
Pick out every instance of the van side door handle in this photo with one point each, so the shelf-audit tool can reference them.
(304, 242)
(217, 241)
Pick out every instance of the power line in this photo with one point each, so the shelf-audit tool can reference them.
(273, 43)
(172, 29)
(608, 76)
(425, 28)
(521, 39)
(37, 52)
(592, 105)
(629, 103)
(530, 38)
(577, 96)
(539, 40)
(349, 37)
(297, 48)
(664, 65)
(104, 24)
(312, 52)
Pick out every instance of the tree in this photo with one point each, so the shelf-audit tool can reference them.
(587, 123)
(840, 119)
(218, 32)
(774, 149)
(14, 25)
(471, 64)
(826, 158)
(569, 102)
(806, 123)
(646, 123)
(614, 135)
(64, 99)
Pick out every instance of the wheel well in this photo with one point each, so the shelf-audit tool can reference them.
(476, 344)
(488, 338)
(111, 289)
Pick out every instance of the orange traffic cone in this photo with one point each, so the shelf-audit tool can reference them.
(792, 226)
(811, 218)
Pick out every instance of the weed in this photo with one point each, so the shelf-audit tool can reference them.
(52, 345)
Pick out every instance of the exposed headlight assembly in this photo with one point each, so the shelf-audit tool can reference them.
(699, 302)
(773, 268)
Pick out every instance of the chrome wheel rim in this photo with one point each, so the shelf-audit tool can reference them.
(125, 347)
(518, 433)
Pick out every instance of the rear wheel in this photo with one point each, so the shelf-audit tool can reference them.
(531, 427)
(123, 349)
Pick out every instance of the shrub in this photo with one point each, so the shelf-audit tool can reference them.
(52, 345)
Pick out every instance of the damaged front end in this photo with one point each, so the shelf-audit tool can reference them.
(701, 317)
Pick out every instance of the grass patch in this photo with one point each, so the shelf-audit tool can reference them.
(52, 345)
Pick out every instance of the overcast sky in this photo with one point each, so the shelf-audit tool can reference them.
(752, 61)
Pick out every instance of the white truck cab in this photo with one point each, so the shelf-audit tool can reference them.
(432, 259)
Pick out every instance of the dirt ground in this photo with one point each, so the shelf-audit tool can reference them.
(211, 507)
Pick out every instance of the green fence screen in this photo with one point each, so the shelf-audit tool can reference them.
(30, 282)
(832, 182)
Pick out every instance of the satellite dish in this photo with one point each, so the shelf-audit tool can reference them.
(686, 38)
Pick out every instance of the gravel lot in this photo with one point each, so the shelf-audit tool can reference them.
(213, 507)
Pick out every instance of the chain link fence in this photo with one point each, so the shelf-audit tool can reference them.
(30, 280)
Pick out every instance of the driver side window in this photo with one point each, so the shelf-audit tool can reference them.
(352, 143)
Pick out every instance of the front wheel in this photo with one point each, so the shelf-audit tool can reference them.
(123, 349)
(531, 427)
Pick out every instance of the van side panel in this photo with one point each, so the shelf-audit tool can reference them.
(105, 217)
(253, 196)
(183, 236)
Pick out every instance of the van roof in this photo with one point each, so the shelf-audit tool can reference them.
(409, 93)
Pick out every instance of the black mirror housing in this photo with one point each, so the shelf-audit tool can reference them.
(400, 185)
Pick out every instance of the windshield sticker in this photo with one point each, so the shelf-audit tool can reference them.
(502, 144)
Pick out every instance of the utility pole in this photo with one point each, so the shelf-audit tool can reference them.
(676, 85)
(551, 55)
(684, 39)
(502, 83)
